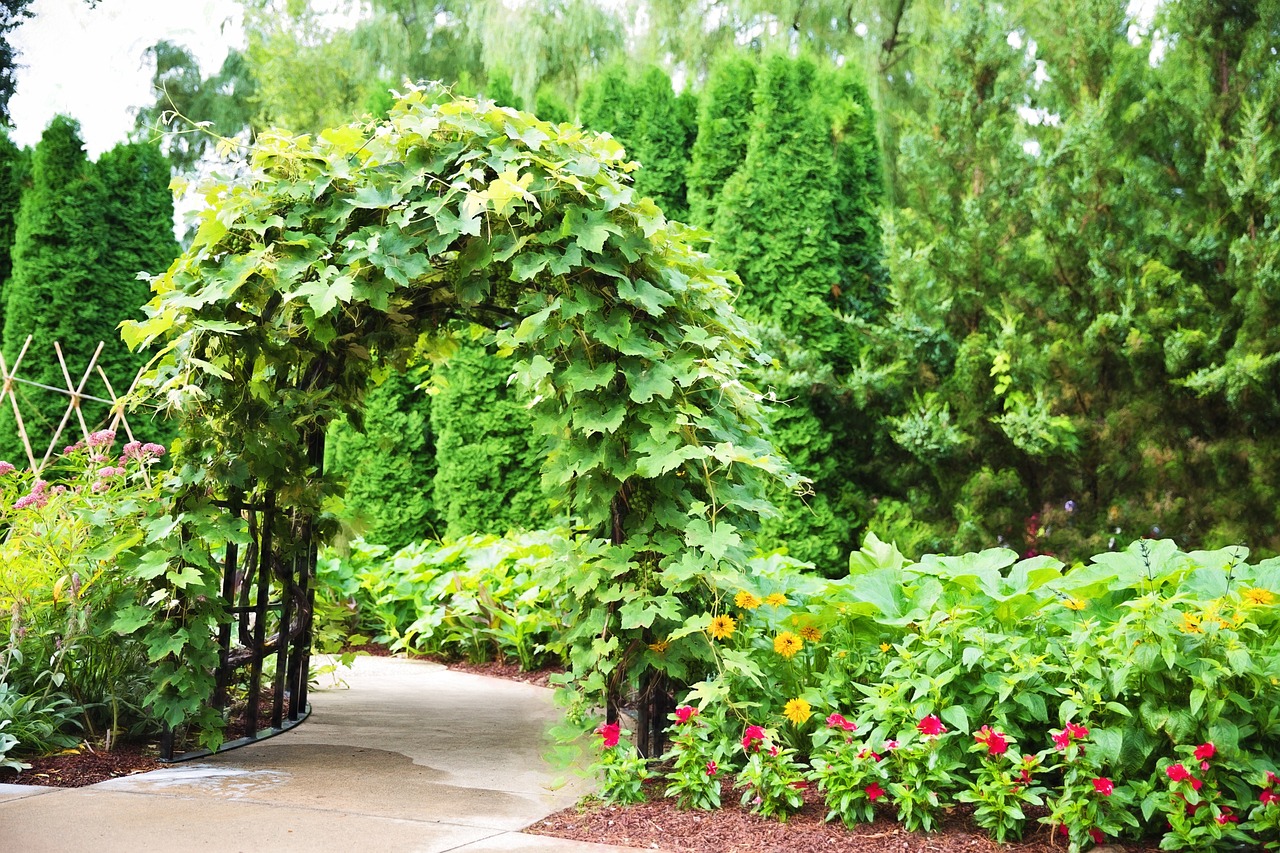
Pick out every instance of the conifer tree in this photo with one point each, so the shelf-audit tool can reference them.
(724, 126)
(389, 463)
(58, 245)
(499, 89)
(549, 106)
(138, 218)
(487, 477)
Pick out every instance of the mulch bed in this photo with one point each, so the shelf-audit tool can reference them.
(659, 825)
(85, 766)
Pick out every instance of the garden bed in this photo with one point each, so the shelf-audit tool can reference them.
(658, 824)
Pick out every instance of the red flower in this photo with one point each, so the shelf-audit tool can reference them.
(995, 742)
(874, 791)
(751, 736)
(836, 721)
(1205, 751)
(800, 786)
(1268, 797)
(610, 733)
(1177, 773)
(1097, 835)
(865, 752)
(1061, 740)
(1103, 786)
(1226, 817)
(931, 726)
(1077, 732)
(1195, 784)
(685, 713)
(712, 768)
(1272, 779)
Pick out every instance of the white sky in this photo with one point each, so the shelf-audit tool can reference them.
(89, 63)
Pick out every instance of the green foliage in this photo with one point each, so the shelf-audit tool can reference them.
(479, 598)
(359, 243)
(487, 457)
(642, 112)
(499, 89)
(84, 233)
(66, 581)
(389, 465)
(725, 108)
(549, 106)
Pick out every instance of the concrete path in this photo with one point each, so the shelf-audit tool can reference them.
(409, 756)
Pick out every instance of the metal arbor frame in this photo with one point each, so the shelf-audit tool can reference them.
(264, 649)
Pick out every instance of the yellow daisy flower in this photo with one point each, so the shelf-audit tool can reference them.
(1257, 597)
(722, 627)
(811, 633)
(775, 599)
(746, 600)
(1190, 624)
(787, 644)
(884, 647)
(797, 711)
(1074, 604)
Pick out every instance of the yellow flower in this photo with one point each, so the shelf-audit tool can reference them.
(797, 711)
(746, 600)
(811, 633)
(884, 647)
(775, 599)
(1258, 597)
(722, 626)
(660, 646)
(787, 644)
(1190, 624)
(1074, 604)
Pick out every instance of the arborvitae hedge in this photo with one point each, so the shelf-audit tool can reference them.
(550, 106)
(655, 126)
(500, 90)
(57, 249)
(389, 466)
(487, 467)
(796, 221)
(84, 232)
(725, 109)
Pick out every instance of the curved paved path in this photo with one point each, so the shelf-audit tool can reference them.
(409, 756)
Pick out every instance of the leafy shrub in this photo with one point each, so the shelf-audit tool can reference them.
(64, 579)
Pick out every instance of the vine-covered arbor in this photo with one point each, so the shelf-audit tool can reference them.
(331, 260)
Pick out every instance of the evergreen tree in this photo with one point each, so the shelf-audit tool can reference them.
(651, 123)
(138, 219)
(389, 463)
(724, 126)
(779, 220)
(487, 477)
(59, 242)
(14, 166)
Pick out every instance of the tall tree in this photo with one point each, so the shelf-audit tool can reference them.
(725, 108)
(59, 242)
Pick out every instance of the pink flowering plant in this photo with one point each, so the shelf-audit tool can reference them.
(1091, 806)
(924, 768)
(699, 760)
(772, 779)
(1004, 783)
(1264, 817)
(622, 770)
(72, 537)
(850, 775)
(1199, 814)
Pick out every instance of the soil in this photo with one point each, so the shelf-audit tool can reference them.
(85, 766)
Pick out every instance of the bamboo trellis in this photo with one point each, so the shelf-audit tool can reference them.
(75, 392)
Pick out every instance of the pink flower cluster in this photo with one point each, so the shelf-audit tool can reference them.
(140, 451)
(995, 742)
(931, 726)
(6, 468)
(1072, 732)
(753, 736)
(37, 497)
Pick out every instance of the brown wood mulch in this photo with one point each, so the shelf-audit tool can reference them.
(659, 825)
(84, 766)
